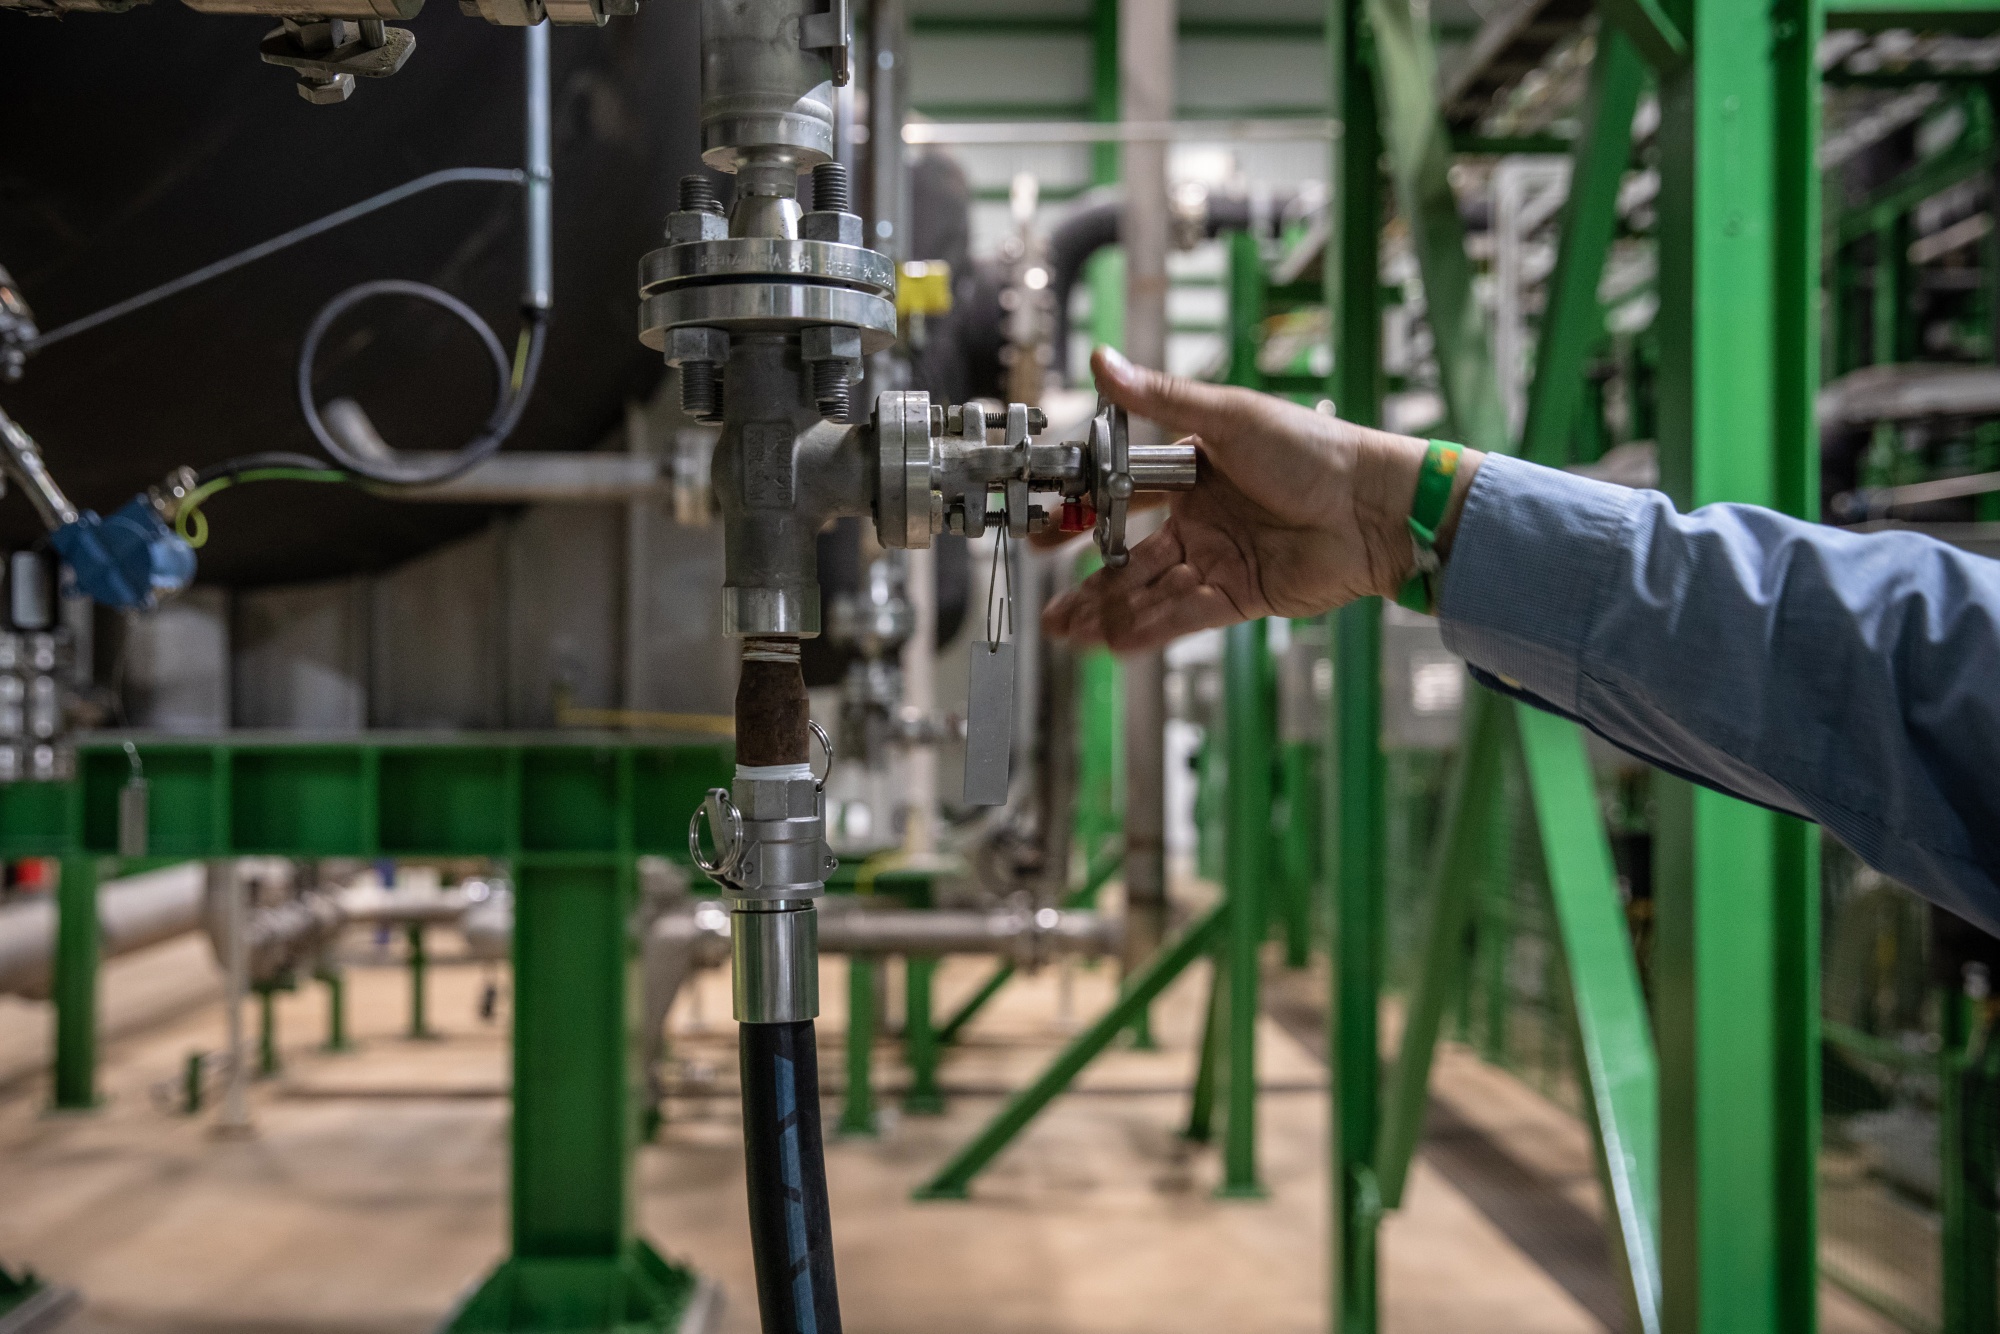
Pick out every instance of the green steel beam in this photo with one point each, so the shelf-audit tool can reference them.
(954, 1026)
(1201, 1101)
(1968, 1109)
(954, 1180)
(1355, 822)
(419, 969)
(1419, 150)
(1104, 96)
(920, 1039)
(1068, 25)
(336, 1010)
(1615, 1039)
(75, 984)
(1972, 16)
(571, 814)
(1646, 25)
(1589, 219)
(1906, 191)
(1736, 894)
(1248, 730)
(1298, 766)
(1246, 310)
(1455, 881)
(857, 1111)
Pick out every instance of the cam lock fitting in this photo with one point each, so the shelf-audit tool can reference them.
(768, 832)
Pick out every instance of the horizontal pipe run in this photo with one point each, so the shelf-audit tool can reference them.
(132, 913)
(1299, 129)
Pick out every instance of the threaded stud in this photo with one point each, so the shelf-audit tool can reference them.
(830, 192)
(698, 195)
(831, 390)
(701, 390)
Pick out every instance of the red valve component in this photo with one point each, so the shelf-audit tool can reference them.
(1078, 516)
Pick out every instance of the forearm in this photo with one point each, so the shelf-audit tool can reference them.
(1845, 678)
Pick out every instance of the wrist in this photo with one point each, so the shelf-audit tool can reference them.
(1392, 467)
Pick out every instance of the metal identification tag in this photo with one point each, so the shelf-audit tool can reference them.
(989, 724)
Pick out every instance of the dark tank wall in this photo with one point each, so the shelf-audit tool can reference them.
(137, 147)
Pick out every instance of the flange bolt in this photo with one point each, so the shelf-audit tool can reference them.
(698, 195)
(830, 192)
(701, 390)
(831, 391)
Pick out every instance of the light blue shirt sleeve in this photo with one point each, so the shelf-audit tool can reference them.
(1850, 678)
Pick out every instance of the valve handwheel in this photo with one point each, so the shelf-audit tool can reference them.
(1111, 490)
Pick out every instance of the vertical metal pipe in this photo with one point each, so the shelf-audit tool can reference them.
(888, 37)
(227, 886)
(540, 291)
(1146, 33)
(920, 697)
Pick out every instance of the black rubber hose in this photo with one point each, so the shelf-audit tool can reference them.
(791, 1227)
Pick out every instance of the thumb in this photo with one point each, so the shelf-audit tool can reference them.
(1172, 401)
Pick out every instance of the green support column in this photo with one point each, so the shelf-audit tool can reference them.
(1246, 310)
(75, 984)
(1892, 240)
(576, 1263)
(1967, 1112)
(1247, 731)
(419, 965)
(857, 1112)
(1735, 890)
(1354, 826)
(920, 1042)
(336, 1010)
(268, 1064)
(1201, 1103)
(1299, 771)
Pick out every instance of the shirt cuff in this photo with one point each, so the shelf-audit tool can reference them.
(1533, 551)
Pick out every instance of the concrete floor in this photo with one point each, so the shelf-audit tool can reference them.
(374, 1191)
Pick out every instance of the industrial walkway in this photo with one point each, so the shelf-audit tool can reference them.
(375, 1191)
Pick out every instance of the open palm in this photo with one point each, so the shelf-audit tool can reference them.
(1294, 512)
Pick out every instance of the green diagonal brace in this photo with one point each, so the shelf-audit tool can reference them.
(1653, 35)
(1454, 880)
(1419, 149)
(1573, 839)
(1614, 1032)
(954, 1180)
(1589, 218)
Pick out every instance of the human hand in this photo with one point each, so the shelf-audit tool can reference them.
(1294, 513)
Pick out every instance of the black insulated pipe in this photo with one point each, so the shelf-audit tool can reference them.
(791, 1225)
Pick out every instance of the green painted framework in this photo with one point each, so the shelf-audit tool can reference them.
(570, 816)
(1707, 1140)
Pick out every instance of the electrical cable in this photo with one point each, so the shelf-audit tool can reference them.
(791, 1227)
(192, 525)
(515, 381)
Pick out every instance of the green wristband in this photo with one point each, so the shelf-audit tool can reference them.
(1434, 483)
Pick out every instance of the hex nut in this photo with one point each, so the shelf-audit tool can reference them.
(696, 343)
(844, 228)
(326, 90)
(830, 342)
(696, 225)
